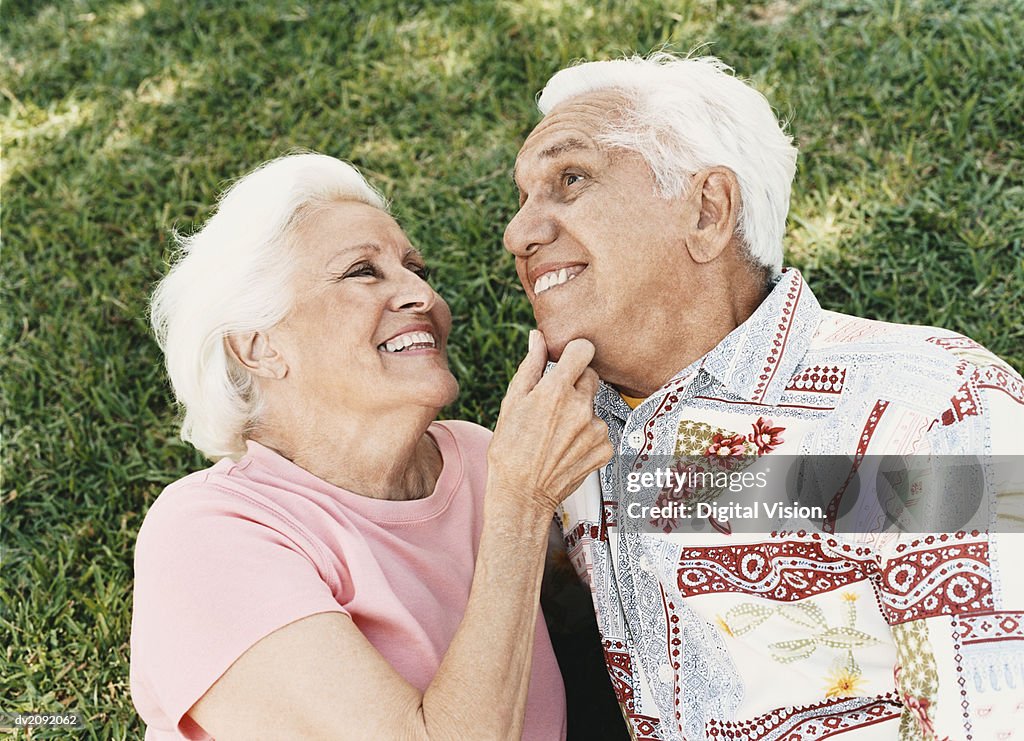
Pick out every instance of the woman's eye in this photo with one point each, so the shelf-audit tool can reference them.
(363, 270)
(422, 271)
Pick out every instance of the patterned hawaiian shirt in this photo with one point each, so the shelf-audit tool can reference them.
(811, 628)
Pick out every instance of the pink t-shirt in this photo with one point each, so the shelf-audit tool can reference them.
(230, 554)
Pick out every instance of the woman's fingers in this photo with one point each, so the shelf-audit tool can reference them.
(572, 369)
(547, 438)
(590, 446)
(532, 367)
(588, 382)
(575, 358)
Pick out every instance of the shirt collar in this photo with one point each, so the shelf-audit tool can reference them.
(755, 361)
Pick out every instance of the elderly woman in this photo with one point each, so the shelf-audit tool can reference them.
(348, 568)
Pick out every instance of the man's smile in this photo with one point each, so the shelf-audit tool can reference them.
(546, 277)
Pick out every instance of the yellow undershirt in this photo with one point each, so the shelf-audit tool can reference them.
(632, 401)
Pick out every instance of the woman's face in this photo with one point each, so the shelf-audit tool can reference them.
(366, 330)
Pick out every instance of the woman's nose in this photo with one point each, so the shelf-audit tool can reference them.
(414, 294)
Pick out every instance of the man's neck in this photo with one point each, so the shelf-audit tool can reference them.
(670, 343)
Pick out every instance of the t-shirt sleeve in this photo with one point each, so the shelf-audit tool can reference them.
(215, 572)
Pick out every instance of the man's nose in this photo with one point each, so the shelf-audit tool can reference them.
(530, 229)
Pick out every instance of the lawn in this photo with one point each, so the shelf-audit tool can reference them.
(123, 120)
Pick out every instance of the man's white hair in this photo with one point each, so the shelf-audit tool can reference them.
(685, 115)
(234, 276)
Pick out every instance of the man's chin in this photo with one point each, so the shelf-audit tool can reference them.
(557, 338)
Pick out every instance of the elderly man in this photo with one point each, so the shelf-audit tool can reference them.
(653, 202)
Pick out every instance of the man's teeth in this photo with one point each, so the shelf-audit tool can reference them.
(552, 279)
(409, 339)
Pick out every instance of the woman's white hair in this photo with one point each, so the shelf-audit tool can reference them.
(234, 276)
(685, 115)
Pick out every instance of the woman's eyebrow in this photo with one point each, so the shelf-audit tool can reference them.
(344, 252)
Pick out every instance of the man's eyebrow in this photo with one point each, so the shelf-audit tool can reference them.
(566, 145)
(554, 150)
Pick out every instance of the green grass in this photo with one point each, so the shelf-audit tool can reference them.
(122, 120)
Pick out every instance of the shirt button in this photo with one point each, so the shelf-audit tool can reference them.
(635, 439)
(665, 673)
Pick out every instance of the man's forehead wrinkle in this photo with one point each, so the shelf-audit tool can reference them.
(602, 105)
(556, 148)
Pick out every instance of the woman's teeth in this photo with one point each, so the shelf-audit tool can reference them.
(416, 340)
(554, 278)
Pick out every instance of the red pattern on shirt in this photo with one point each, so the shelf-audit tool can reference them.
(820, 380)
(793, 723)
(829, 525)
(783, 570)
(992, 627)
(779, 341)
(999, 379)
(938, 575)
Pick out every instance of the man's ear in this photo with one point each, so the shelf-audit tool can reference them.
(254, 352)
(715, 197)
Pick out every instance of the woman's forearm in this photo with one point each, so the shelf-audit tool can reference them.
(545, 443)
(481, 687)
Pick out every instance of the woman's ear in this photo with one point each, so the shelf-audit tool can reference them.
(715, 197)
(254, 352)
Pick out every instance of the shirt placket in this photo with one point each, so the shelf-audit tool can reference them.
(631, 556)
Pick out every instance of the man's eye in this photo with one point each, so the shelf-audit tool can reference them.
(422, 271)
(571, 178)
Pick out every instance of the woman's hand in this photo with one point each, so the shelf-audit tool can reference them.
(547, 439)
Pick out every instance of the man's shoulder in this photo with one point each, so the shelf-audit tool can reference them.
(929, 369)
(908, 348)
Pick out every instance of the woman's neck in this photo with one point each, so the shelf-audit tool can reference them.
(379, 455)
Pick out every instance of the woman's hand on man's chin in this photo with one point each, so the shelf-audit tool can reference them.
(547, 439)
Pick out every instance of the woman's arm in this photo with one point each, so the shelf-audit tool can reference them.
(320, 678)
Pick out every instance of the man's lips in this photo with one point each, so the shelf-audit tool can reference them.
(549, 275)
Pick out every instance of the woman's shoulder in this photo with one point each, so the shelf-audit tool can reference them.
(210, 503)
(195, 487)
(188, 493)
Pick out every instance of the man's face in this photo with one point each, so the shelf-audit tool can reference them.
(598, 252)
